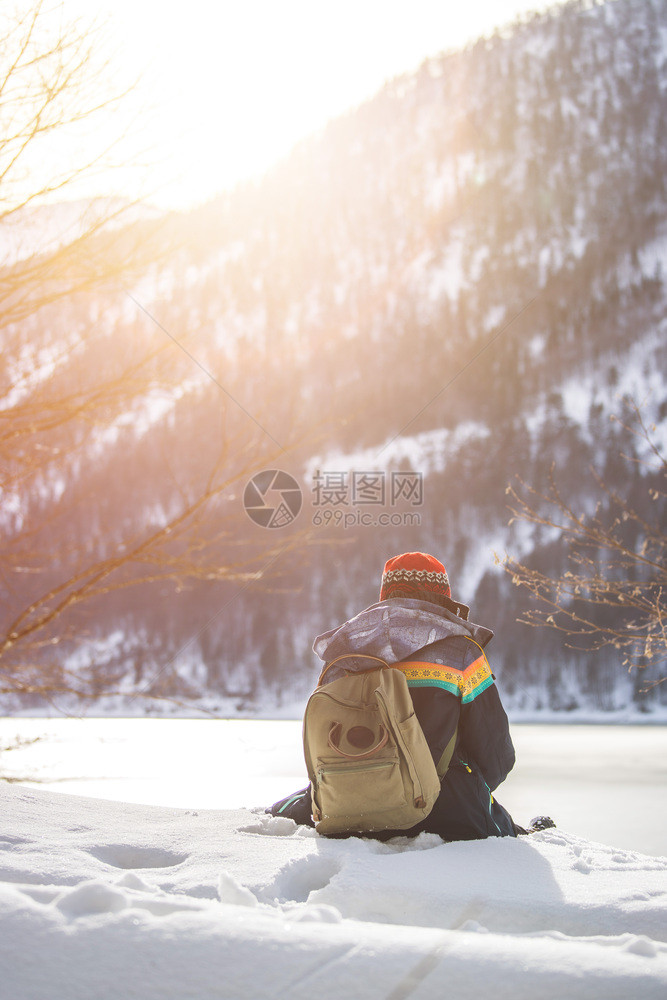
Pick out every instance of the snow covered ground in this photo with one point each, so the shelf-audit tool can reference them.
(105, 900)
(602, 782)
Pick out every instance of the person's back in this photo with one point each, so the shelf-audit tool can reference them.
(417, 628)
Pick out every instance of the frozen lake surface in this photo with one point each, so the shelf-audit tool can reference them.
(604, 783)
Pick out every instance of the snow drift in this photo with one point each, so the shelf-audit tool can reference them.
(101, 899)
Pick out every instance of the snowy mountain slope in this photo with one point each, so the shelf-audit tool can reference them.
(162, 903)
(479, 247)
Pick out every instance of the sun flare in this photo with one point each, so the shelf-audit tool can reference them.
(220, 92)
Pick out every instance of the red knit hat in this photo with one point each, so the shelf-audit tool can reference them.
(416, 575)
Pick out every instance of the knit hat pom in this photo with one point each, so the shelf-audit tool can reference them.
(416, 575)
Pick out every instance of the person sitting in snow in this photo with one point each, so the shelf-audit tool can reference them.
(455, 699)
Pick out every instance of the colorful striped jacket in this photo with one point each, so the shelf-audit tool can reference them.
(442, 656)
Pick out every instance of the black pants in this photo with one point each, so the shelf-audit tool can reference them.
(464, 810)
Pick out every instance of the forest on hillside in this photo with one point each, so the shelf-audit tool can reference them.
(460, 280)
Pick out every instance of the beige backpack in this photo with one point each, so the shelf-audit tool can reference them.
(368, 761)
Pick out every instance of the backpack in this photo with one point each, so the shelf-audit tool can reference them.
(367, 758)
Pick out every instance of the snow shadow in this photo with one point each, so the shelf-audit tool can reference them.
(130, 856)
(300, 877)
(506, 885)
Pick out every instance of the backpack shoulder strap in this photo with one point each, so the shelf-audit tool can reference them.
(480, 649)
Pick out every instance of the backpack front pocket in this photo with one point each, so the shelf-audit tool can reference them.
(356, 788)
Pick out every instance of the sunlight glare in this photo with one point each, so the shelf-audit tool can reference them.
(226, 89)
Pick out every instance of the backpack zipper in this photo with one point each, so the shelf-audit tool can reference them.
(346, 768)
(398, 737)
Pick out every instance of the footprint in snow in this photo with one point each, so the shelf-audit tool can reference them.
(295, 882)
(130, 856)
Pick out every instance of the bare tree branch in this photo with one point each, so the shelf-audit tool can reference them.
(614, 591)
(76, 372)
